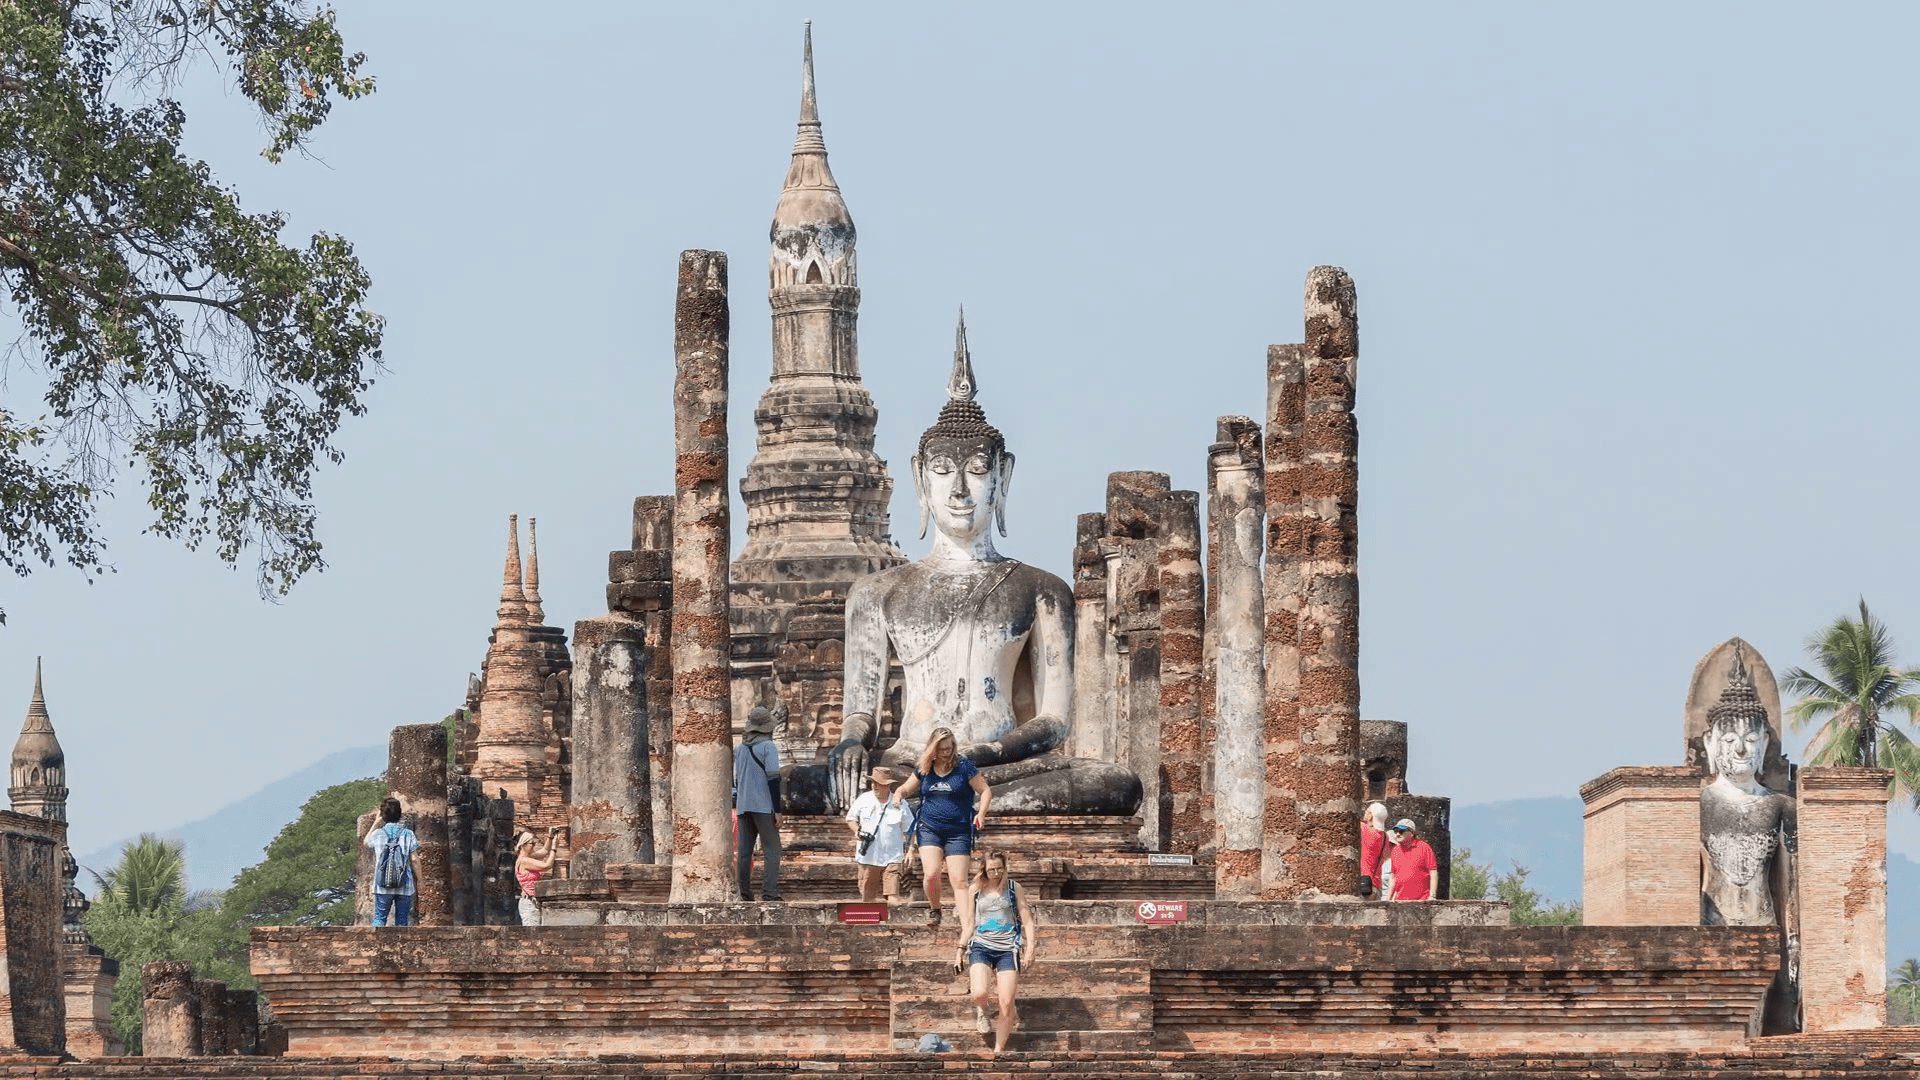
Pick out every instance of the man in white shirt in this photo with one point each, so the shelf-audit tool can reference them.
(879, 838)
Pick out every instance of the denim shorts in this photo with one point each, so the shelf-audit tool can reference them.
(952, 841)
(997, 959)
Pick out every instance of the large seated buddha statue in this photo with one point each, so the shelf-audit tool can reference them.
(985, 642)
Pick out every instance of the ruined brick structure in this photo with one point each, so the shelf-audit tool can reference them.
(816, 493)
(37, 786)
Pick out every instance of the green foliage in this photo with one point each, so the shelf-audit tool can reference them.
(1903, 994)
(1853, 698)
(1475, 881)
(307, 878)
(143, 914)
(150, 876)
(1468, 879)
(173, 331)
(1525, 906)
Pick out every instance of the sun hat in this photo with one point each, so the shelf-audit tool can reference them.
(1404, 825)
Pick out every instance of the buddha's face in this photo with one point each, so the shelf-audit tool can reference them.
(1735, 749)
(961, 485)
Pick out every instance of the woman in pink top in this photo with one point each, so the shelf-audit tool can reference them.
(1373, 844)
(531, 862)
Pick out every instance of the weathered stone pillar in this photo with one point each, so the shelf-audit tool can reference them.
(1183, 736)
(642, 588)
(1286, 522)
(612, 808)
(1236, 513)
(169, 1010)
(242, 1015)
(1327, 785)
(363, 868)
(1313, 601)
(1136, 526)
(417, 776)
(1642, 847)
(702, 702)
(1842, 877)
(1092, 681)
(211, 995)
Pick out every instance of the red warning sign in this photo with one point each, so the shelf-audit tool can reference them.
(1162, 911)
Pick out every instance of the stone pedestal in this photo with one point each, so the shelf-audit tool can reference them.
(417, 776)
(1842, 873)
(90, 978)
(170, 1010)
(1643, 847)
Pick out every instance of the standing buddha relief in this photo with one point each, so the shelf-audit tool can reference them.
(1748, 841)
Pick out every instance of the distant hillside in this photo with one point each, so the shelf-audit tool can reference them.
(235, 837)
(1547, 837)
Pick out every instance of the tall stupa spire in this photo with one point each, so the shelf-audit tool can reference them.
(535, 612)
(816, 493)
(513, 594)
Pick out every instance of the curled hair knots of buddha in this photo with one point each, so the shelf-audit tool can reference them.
(1739, 703)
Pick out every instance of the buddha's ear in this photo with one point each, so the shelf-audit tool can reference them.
(1005, 468)
(920, 492)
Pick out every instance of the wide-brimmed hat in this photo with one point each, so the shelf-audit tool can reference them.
(882, 775)
(760, 720)
(1404, 825)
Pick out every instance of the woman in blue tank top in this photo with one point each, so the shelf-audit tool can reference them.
(996, 944)
(949, 816)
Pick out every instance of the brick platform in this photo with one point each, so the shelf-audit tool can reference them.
(1760, 1062)
(1236, 978)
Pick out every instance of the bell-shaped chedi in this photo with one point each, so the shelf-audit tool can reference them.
(816, 493)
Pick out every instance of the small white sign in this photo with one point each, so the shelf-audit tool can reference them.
(1165, 858)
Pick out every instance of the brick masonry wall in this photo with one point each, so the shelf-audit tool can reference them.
(1234, 978)
(31, 908)
(1842, 872)
(1642, 847)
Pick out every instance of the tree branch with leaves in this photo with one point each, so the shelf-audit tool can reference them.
(176, 334)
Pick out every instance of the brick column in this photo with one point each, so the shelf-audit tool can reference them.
(1842, 877)
(653, 531)
(1327, 780)
(1287, 527)
(612, 809)
(1642, 848)
(1235, 516)
(170, 1011)
(1092, 682)
(417, 776)
(702, 702)
(1183, 737)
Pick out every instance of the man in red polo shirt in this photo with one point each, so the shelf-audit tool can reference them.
(1416, 876)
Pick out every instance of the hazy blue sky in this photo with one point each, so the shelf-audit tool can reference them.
(1636, 350)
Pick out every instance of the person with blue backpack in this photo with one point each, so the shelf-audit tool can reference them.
(394, 881)
(997, 933)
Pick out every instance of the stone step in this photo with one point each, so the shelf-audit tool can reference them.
(1759, 1063)
(1064, 1005)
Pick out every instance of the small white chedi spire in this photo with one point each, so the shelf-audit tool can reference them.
(535, 612)
(38, 778)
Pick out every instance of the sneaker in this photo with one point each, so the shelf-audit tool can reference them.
(773, 898)
(933, 916)
(981, 1022)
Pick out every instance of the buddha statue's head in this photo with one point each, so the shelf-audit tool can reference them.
(962, 469)
(1736, 741)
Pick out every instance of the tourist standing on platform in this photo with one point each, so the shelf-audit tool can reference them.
(1373, 846)
(949, 816)
(997, 932)
(1416, 876)
(756, 803)
(394, 881)
(531, 861)
(878, 825)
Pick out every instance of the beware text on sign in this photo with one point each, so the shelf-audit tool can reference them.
(1162, 911)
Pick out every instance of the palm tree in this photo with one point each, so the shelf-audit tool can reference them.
(151, 875)
(1856, 699)
(1905, 994)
